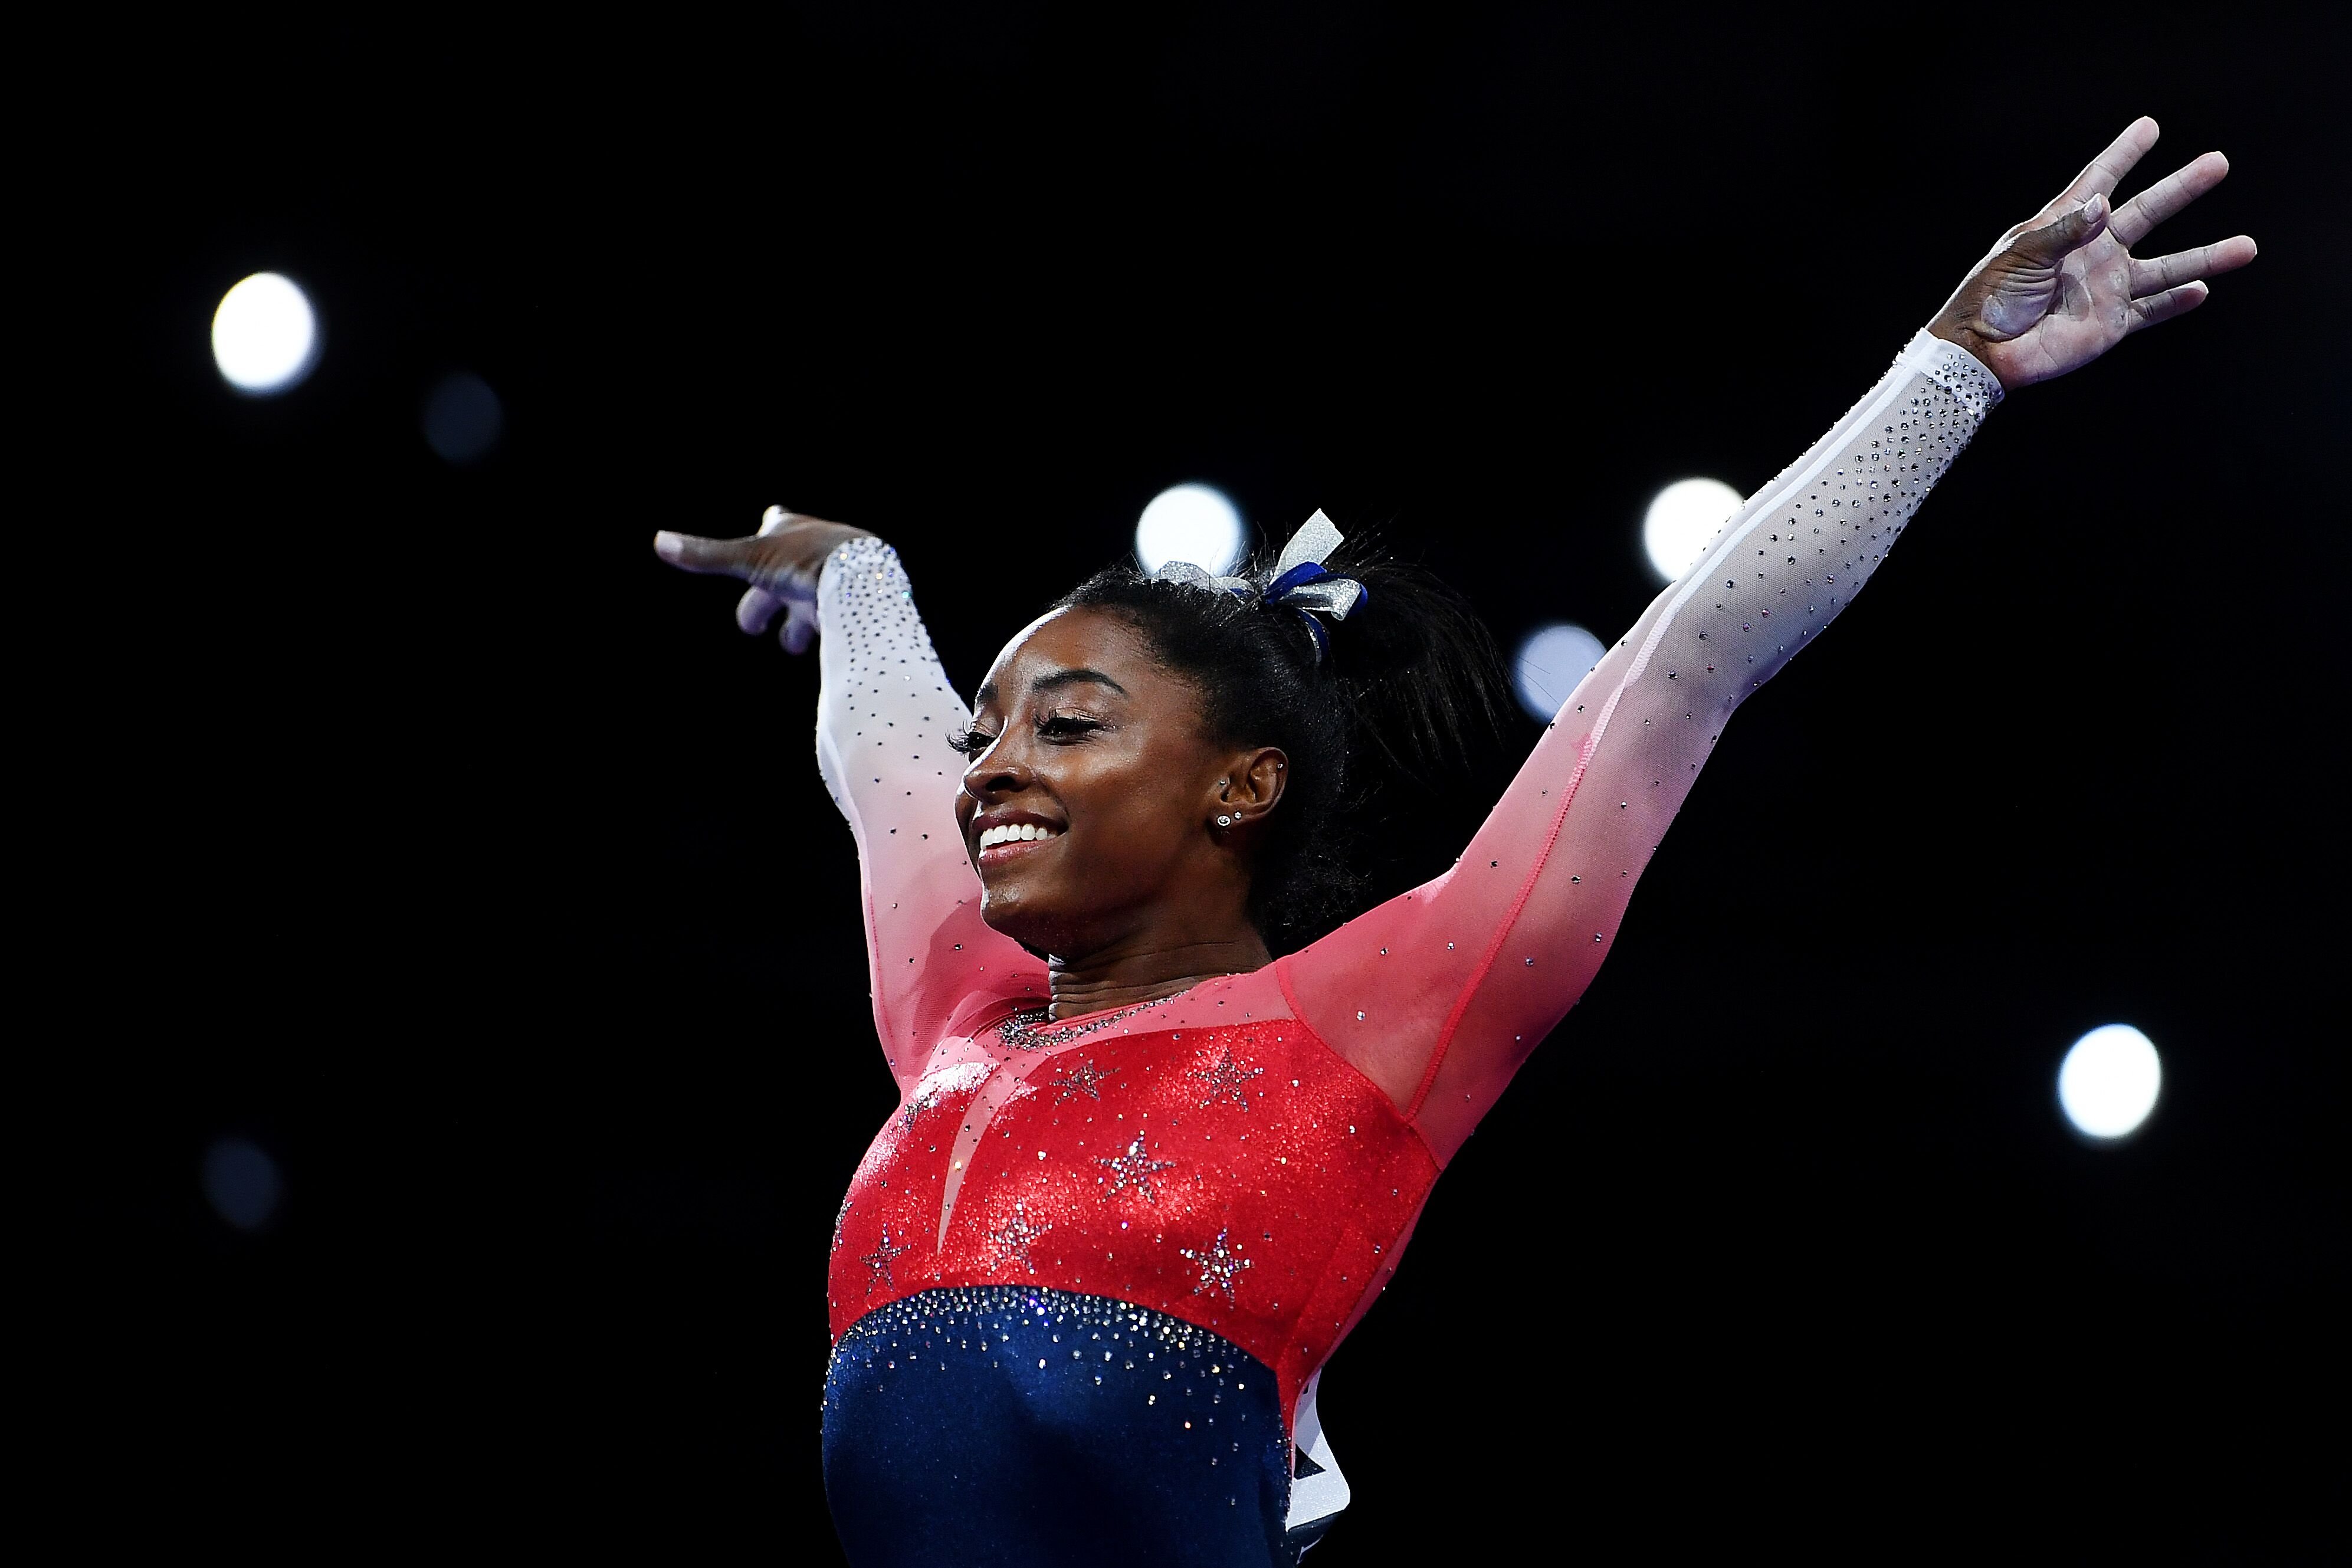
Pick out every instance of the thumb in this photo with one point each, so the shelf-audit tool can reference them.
(2072, 231)
(691, 552)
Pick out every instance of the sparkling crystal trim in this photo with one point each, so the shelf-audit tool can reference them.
(1130, 1327)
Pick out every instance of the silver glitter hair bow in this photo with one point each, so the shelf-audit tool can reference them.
(1301, 582)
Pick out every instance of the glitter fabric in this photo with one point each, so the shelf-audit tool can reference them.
(1249, 1157)
(1085, 1430)
(1263, 1217)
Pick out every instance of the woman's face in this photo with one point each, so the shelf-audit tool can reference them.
(1089, 806)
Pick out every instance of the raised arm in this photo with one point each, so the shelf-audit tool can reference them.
(885, 709)
(1441, 993)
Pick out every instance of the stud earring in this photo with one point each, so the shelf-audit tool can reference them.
(1224, 822)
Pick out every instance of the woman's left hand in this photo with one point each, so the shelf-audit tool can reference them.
(2062, 287)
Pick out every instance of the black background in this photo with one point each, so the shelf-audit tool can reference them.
(422, 826)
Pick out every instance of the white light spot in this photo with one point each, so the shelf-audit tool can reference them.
(1681, 520)
(1189, 522)
(242, 1181)
(2109, 1081)
(1548, 666)
(265, 334)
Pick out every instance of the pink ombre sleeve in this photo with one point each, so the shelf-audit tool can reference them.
(885, 711)
(1439, 993)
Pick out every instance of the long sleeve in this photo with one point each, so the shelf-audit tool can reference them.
(1440, 995)
(885, 711)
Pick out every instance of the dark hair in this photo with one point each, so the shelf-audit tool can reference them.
(1410, 693)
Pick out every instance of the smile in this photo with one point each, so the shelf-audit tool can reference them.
(1013, 841)
(1015, 832)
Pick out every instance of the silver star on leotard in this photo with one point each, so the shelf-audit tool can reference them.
(1225, 1077)
(1082, 1079)
(1132, 1168)
(878, 1263)
(1218, 1266)
(924, 1102)
(1012, 1240)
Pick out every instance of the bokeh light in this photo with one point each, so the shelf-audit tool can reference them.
(2109, 1081)
(241, 1183)
(1549, 664)
(265, 335)
(463, 418)
(1189, 522)
(1680, 521)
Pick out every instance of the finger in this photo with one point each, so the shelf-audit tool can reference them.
(2185, 266)
(2169, 196)
(2067, 232)
(691, 552)
(2163, 307)
(799, 626)
(2099, 179)
(755, 609)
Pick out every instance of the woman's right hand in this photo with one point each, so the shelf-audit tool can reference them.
(781, 564)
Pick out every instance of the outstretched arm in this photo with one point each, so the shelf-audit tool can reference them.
(885, 708)
(1440, 995)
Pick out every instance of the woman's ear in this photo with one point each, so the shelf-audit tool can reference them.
(1250, 786)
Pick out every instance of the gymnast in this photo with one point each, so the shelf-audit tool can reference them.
(1173, 1087)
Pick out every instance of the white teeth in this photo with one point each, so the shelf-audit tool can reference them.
(1017, 833)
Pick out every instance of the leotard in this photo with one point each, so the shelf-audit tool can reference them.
(1086, 1274)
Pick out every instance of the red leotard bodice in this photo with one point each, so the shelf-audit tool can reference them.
(1241, 1174)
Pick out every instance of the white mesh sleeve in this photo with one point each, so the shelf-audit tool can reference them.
(885, 711)
(1441, 993)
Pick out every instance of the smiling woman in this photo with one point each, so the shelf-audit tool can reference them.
(1212, 760)
(1145, 1174)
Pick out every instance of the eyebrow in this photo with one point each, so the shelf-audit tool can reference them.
(1054, 682)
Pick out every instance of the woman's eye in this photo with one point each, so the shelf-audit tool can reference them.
(1066, 727)
(971, 742)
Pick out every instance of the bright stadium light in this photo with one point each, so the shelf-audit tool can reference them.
(2108, 1082)
(1681, 520)
(1189, 522)
(265, 335)
(1549, 664)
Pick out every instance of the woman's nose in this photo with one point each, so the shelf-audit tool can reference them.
(996, 774)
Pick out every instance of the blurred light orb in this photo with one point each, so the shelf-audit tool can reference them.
(1680, 521)
(2109, 1081)
(265, 335)
(1549, 665)
(241, 1183)
(1189, 522)
(463, 418)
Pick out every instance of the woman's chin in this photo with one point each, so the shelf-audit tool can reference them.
(1012, 911)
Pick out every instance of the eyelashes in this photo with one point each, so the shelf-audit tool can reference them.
(1059, 729)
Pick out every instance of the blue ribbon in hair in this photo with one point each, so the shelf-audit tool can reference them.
(1301, 582)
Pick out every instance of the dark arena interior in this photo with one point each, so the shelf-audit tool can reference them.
(466, 1039)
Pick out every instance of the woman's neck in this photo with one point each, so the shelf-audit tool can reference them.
(1123, 976)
